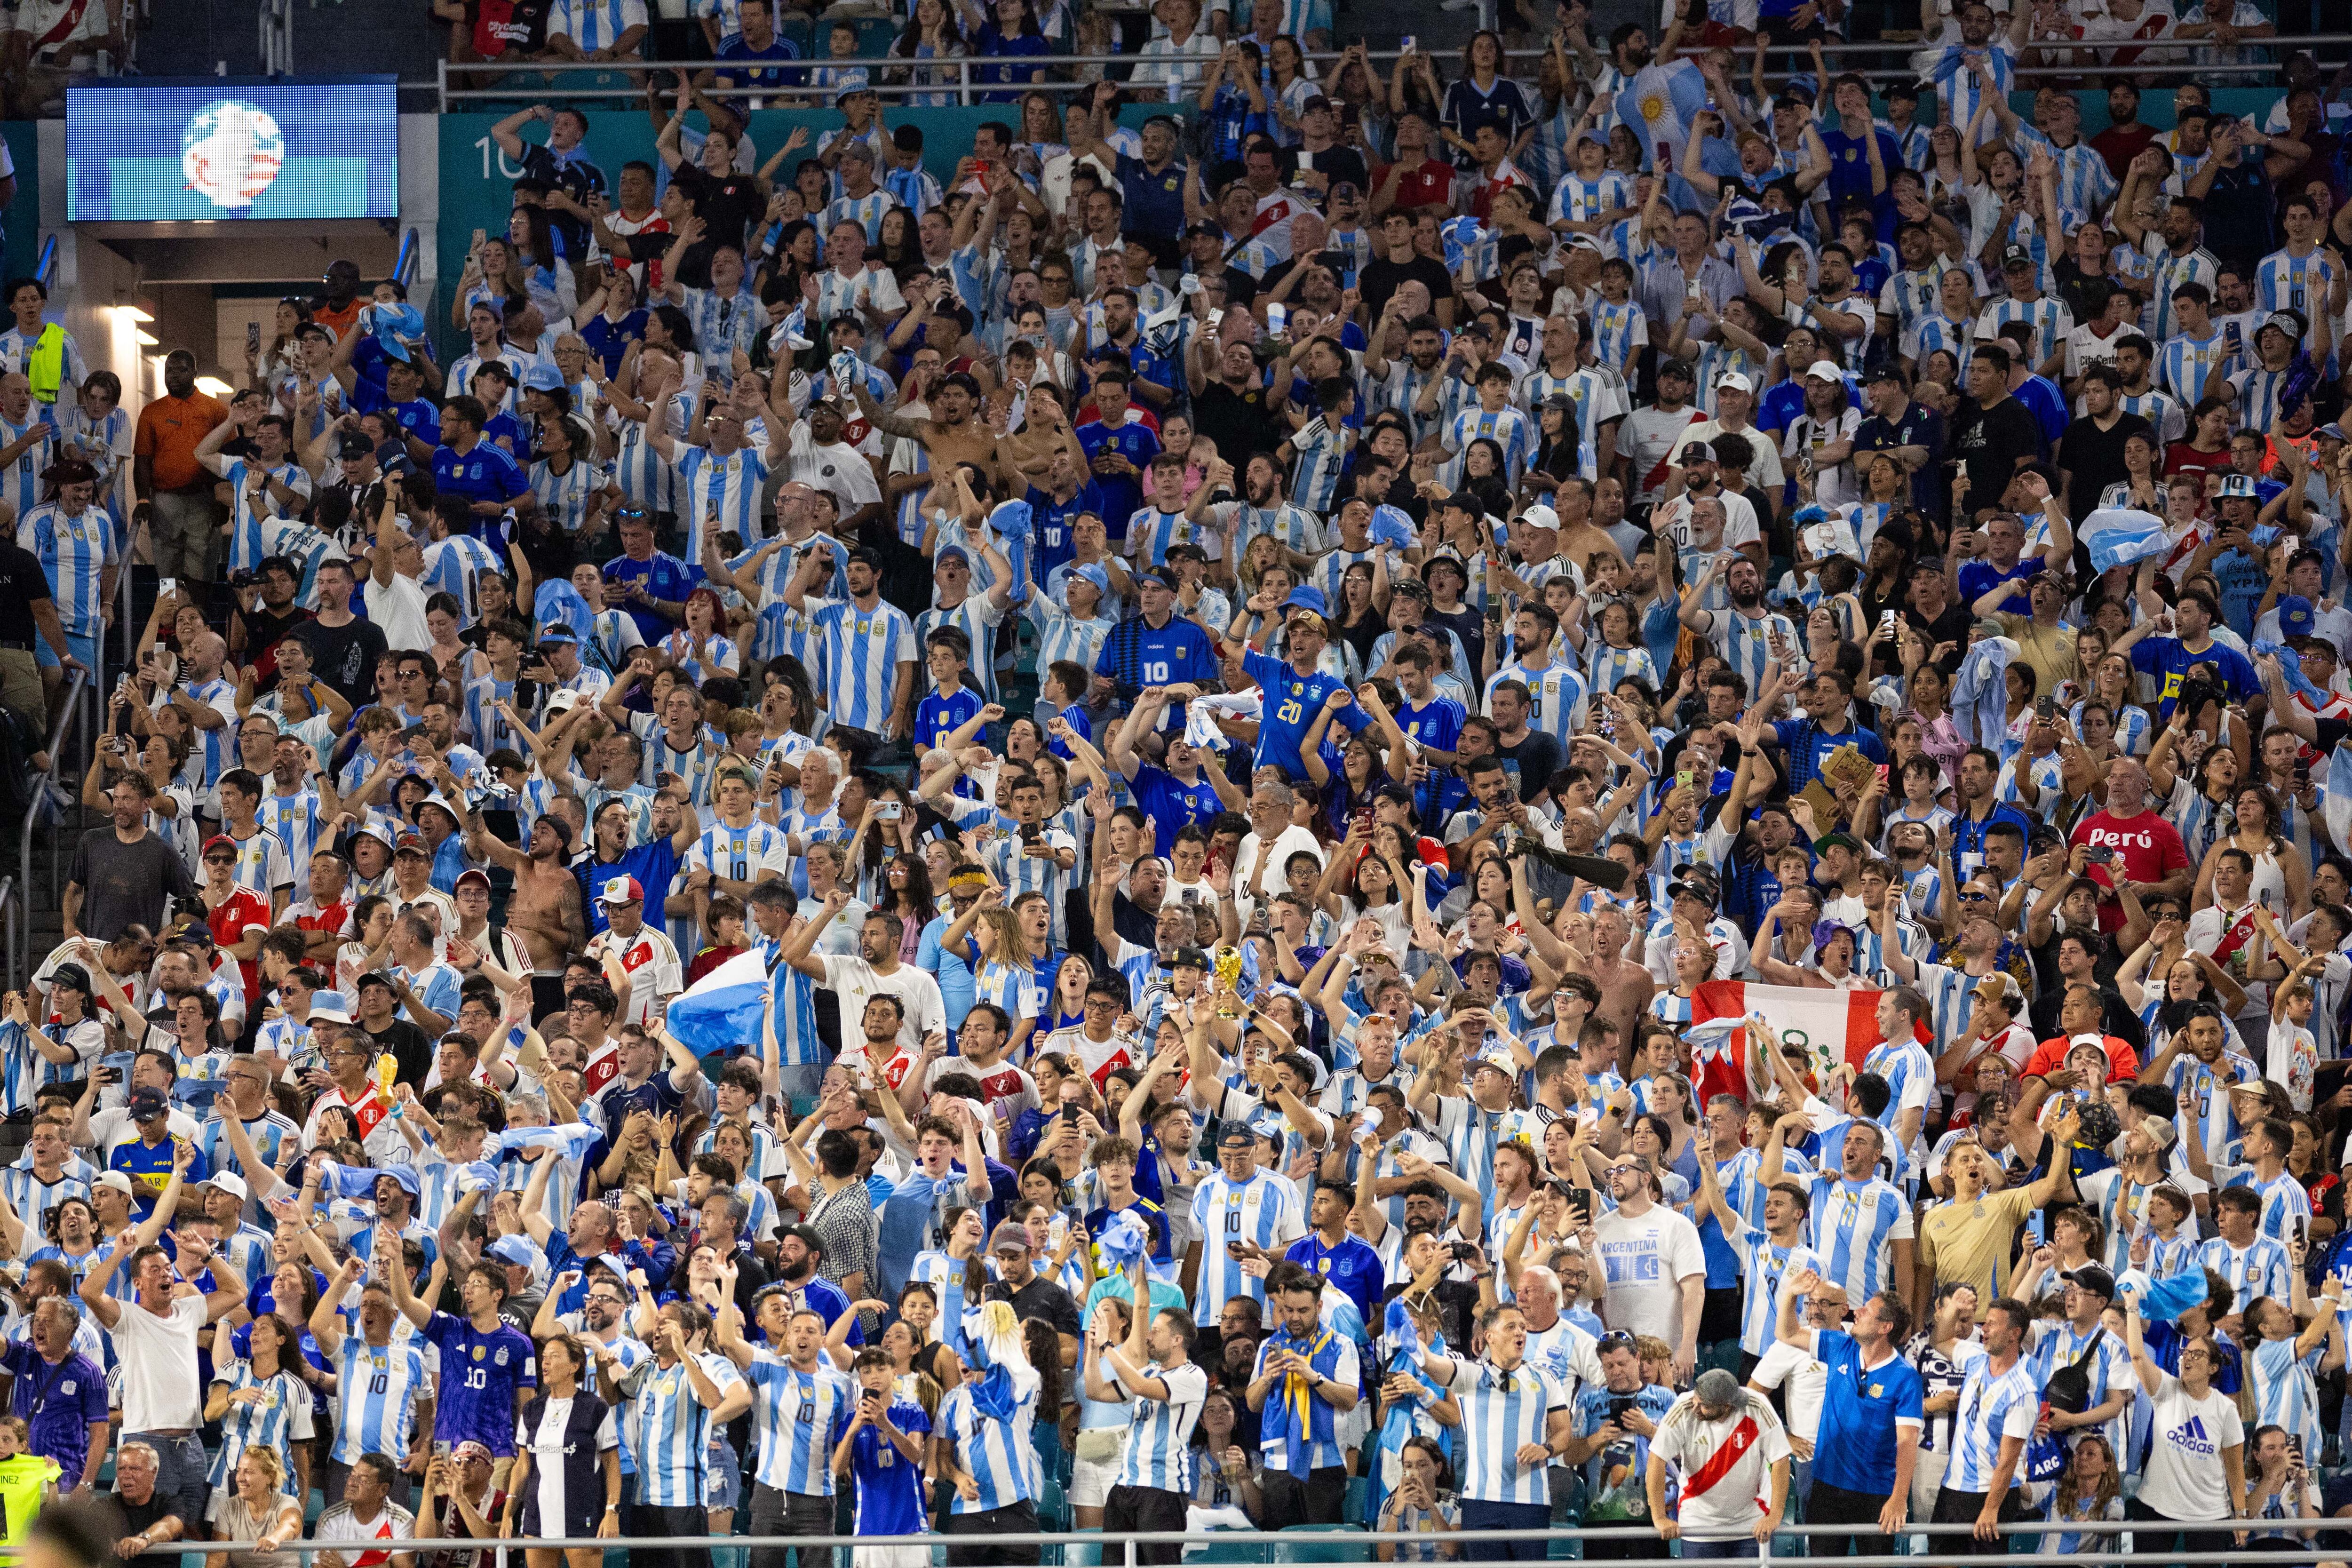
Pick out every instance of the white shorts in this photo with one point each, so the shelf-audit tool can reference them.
(1090, 1482)
(890, 1557)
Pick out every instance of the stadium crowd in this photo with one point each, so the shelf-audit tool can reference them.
(1285, 809)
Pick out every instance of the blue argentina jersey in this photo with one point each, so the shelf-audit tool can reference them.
(1618, 329)
(740, 854)
(20, 482)
(977, 619)
(1992, 1406)
(1264, 1209)
(2285, 1391)
(454, 566)
(865, 211)
(2285, 281)
(1763, 1262)
(1853, 1226)
(72, 552)
(669, 1427)
(2258, 397)
(1502, 1412)
(474, 1396)
(798, 1417)
(1948, 992)
(998, 1455)
(376, 1399)
(1160, 1440)
(33, 1198)
(2049, 321)
(2185, 366)
(1578, 200)
(1910, 298)
(1909, 1072)
(1955, 338)
(2261, 1269)
(863, 651)
(1507, 428)
(1607, 668)
(2085, 184)
(1555, 694)
(2286, 1207)
(720, 494)
(282, 1415)
(1063, 637)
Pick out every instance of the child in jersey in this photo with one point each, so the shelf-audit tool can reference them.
(27, 1480)
(952, 702)
(884, 1449)
(1620, 327)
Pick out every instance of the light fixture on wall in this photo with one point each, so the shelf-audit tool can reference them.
(136, 313)
(212, 386)
(147, 339)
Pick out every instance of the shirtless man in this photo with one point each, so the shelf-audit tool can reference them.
(1581, 539)
(1625, 987)
(544, 907)
(950, 435)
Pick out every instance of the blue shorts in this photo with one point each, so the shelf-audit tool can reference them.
(83, 648)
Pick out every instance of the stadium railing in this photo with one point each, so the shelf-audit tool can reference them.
(44, 808)
(1121, 1549)
(2149, 62)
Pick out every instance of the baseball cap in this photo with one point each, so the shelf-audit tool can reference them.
(472, 875)
(373, 977)
(557, 632)
(948, 552)
(1825, 370)
(621, 890)
(2016, 255)
(1565, 404)
(1009, 1238)
(1681, 367)
(1541, 517)
(2295, 617)
(1735, 381)
(2092, 1277)
(542, 378)
(116, 1180)
(1694, 452)
(147, 1102)
(351, 444)
(229, 1182)
(851, 82)
(219, 841)
(1697, 882)
(1188, 958)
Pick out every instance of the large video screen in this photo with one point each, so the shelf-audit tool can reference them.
(210, 148)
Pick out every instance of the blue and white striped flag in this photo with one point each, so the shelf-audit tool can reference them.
(1660, 104)
(2120, 536)
(725, 1007)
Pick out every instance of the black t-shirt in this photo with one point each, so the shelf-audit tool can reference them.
(727, 207)
(1951, 626)
(344, 657)
(1534, 760)
(408, 1046)
(1342, 164)
(2094, 460)
(263, 628)
(1235, 421)
(141, 1518)
(1383, 277)
(23, 585)
(1041, 1298)
(1989, 441)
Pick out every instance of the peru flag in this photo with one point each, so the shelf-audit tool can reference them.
(1833, 1026)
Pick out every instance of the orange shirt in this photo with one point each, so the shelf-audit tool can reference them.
(170, 430)
(340, 322)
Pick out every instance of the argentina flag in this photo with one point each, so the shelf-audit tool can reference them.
(1660, 104)
(725, 1007)
(2121, 535)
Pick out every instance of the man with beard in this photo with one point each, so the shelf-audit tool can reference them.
(265, 613)
(545, 909)
(1748, 636)
(824, 462)
(390, 1411)
(951, 434)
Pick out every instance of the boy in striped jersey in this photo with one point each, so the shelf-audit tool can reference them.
(384, 1403)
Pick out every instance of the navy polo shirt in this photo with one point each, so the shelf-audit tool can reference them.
(1860, 1412)
(1154, 202)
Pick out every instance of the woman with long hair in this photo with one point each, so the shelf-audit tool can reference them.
(572, 1447)
(1103, 1413)
(1941, 1353)
(2115, 685)
(931, 33)
(2280, 1483)
(905, 892)
(546, 276)
(1361, 618)
(2207, 449)
(1002, 38)
(2187, 978)
(1224, 1473)
(698, 648)
(280, 357)
(1360, 884)
(260, 1403)
(898, 248)
(492, 276)
(2089, 1492)
(2280, 882)
(1484, 95)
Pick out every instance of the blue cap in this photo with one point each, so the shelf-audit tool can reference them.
(2295, 618)
(947, 552)
(853, 80)
(2238, 485)
(1094, 572)
(542, 378)
(513, 1250)
(1305, 597)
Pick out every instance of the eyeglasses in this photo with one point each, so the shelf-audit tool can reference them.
(1974, 897)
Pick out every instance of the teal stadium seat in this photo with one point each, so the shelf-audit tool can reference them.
(1320, 1543)
(875, 37)
(1235, 1548)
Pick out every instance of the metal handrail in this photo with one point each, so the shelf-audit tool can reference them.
(21, 955)
(1794, 54)
(46, 268)
(411, 252)
(8, 932)
(2305, 1552)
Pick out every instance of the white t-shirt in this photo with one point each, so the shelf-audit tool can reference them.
(1646, 1259)
(398, 609)
(2183, 1479)
(1729, 1509)
(1804, 1378)
(853, 980)
(158, 1356)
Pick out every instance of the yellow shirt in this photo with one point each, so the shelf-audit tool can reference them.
(1968, 1241)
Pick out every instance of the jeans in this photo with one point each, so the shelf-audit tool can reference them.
(179, 1473)
(1738, 1546)
(1481, 1515)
